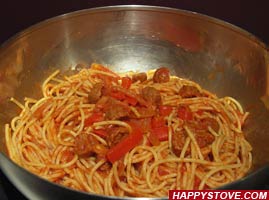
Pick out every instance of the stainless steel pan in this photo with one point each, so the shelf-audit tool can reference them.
(221, 57)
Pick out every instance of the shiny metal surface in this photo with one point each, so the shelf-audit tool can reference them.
(221, 57)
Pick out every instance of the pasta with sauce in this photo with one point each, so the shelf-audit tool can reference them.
(133, 134)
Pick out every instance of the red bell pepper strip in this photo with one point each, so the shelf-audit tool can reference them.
(117, 95)
(103, 69)
(165, 110)
(131, 94)
(124, 146)
(107, 79)
(153, 139)
(130, 100)
(159, 128)
(157, 122)
(161, 132)
(185, 113)
(95, 117)
(123, 97)
(126, 82)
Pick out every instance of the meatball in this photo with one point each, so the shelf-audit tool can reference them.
(115, 109)
(188, 91)
(161, 75)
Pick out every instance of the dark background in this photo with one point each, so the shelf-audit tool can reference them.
(249, 14)
(15, 16)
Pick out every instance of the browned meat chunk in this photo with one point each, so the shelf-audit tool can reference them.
(83, 145)
(151, 95)
(115, 109)
(95, 93)
(142, 76)
(203, 124)
(189, 92)
(87, 145)
(178, 141)
(203, 138)
(210, 122)
(115, 134)
(161, 75)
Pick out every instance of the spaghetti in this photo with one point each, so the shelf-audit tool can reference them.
(132, 134)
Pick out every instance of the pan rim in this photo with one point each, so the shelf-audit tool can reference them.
(188, 13)
(35, 27)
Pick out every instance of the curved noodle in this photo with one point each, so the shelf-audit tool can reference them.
(211, 149)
